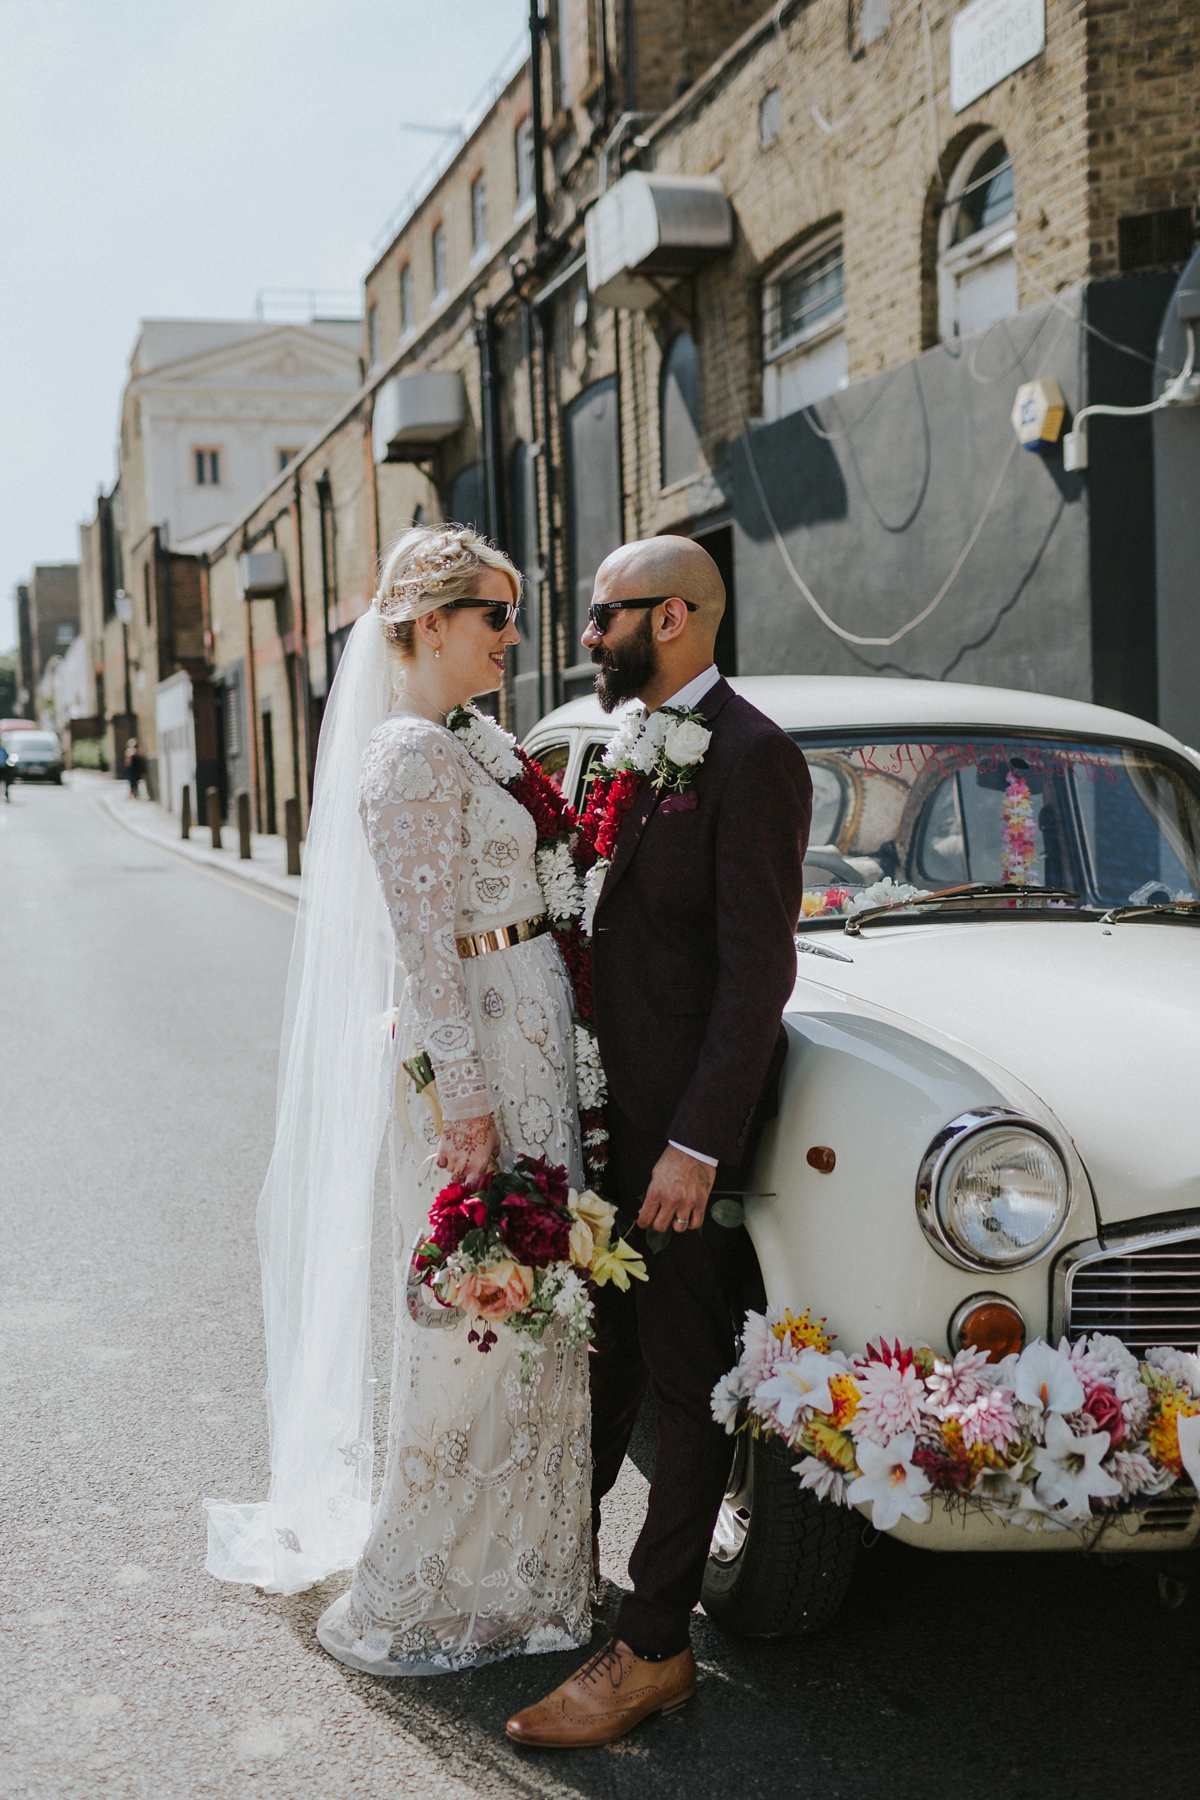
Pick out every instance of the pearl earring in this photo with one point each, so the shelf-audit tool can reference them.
(436, 654)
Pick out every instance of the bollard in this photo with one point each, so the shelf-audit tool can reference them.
(185, 814)
(212, 801)
(243, 819)
(291, 815)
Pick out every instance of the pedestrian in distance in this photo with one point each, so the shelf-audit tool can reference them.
(6, 773)
(135, 767)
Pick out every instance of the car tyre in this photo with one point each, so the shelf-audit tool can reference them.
(781, 1560)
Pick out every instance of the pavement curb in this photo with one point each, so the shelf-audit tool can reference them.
(152, 823)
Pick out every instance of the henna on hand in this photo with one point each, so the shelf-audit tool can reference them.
(467, 1147)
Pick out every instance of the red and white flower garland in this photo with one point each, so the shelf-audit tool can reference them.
(574, 852)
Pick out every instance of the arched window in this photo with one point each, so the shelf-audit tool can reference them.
(679, 410)
(977, 272)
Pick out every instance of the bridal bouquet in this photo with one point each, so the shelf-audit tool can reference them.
(523, 1251)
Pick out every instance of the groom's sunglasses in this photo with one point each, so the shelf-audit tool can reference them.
(599, 610)
(497, 614)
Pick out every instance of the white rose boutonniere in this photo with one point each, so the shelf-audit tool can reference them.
(686, 741)
(667, 748)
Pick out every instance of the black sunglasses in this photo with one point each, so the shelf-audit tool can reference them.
(598, 610)
(498, 614)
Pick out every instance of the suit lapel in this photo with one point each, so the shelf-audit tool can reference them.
(643, 808)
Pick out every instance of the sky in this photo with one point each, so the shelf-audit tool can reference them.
(163, 158)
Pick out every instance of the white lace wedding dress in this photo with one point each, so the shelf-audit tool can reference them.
(480, 1544)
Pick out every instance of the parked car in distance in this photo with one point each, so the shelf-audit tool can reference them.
(1041, 1048)
(34, 755)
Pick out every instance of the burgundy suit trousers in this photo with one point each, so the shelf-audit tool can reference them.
(673, 1334)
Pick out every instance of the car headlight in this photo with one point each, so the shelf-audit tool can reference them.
(993, 1191)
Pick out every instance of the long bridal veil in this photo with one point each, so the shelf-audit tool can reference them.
(314, 1215)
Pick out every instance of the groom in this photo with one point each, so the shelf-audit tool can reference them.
(693, 961)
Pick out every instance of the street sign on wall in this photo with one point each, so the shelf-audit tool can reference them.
(988, 40)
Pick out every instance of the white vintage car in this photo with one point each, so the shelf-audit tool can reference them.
(988, 1130)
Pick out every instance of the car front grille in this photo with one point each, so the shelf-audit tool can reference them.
(1144, 1293)
(1172, 1511)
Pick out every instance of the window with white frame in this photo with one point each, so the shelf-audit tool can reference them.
(804, 339)
(523, 153)
(977, 271)
(479, 225)
(407, 315)
(437, 257)
(207, 467)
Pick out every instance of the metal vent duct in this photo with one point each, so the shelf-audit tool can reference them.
(415, 413)
(660, 225)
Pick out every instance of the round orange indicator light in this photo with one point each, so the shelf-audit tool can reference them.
(822, 1159)
(988, 1322)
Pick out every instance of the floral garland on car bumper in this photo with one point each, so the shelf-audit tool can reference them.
(1050, 1439)
(573, 855)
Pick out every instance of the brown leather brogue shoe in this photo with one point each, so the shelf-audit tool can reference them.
(614, 1691)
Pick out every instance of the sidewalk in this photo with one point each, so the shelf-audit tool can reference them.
(267, 867)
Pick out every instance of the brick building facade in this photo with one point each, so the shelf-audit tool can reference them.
(825, 401)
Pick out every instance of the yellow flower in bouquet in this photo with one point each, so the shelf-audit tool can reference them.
(833, 1445)
(805, 1332)
(617, 1265)
(1163, 1432)
(592, 1227)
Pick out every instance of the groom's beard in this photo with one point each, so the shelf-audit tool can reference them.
(623, 673)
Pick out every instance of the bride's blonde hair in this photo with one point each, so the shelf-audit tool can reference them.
(431, 566)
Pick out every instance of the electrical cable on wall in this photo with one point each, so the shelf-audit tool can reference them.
(840, 631)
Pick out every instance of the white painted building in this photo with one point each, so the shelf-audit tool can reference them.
(214, 408)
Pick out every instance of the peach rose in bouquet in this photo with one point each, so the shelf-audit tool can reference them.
(492, 1293)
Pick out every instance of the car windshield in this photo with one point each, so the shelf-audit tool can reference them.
(31, 740)
(1117, 824)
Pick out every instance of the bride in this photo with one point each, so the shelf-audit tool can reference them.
(479, 1546)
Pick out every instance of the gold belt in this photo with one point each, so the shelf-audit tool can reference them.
(503, 938)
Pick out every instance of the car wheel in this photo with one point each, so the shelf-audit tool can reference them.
(781, 1560)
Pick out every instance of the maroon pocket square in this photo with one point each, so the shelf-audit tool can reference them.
(686, 802)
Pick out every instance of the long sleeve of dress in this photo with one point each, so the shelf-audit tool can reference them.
(411, 802)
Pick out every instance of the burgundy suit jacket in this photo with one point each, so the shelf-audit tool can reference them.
(693, 951)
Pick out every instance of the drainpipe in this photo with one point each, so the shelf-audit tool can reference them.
(537, 31)
(537, 459)
(302, 596)
(489, 407)
(550, 578)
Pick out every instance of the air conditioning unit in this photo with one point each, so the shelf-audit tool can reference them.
(415, 413)
(261, 574)
(659, 225)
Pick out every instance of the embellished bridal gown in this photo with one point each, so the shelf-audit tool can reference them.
(480, 1544)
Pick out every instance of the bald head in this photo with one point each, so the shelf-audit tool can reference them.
(668, 566)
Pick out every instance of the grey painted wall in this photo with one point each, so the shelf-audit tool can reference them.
(876, 492)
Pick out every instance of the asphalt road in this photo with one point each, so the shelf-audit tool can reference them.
(140, 1001)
